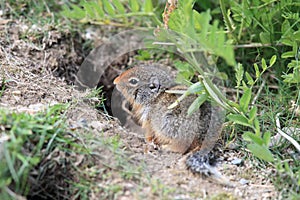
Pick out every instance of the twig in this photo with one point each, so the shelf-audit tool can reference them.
(164, 43)
(258, 92)
(254, 45)
(286, 136)
(14, 195)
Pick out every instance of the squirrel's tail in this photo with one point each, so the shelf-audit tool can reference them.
(204, 163)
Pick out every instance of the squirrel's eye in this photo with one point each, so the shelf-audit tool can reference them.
(133, 81)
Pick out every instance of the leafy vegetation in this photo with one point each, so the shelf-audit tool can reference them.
(259, 43)
(29, 146)
(116, 12)
(42, 158)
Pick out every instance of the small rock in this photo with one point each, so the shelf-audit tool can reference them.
(233, 146)
(16, 92)
(243, 181)
(236, 161)
(83, 123)
(97, 125)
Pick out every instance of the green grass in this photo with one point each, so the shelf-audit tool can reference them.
(40, 153)
(286, 166)
(31, 141)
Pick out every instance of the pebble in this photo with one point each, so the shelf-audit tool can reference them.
(243, 181)
(236, 161)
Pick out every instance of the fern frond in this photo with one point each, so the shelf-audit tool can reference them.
(113, 12)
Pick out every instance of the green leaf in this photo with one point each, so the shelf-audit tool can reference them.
(249, 79)
(239, 73)
(239, 119)
(261, 152)
(77, 12)
(183, 66)
(252, 113)
(10, 164)
(257, 73)
(257, 126)
(295, 48)
(197, 20)
(196, 88)
(264, 64)
(108, 7)
(119, 6)
(286, 27)
(35, 160)
(134, 5)
(203, 20)
(245, 100)
(287, 41)
(291, 78)
(98, 7)
(143, 55)
(233, 104)
(272, 60)
(222, 75)
(213, 93)
(244, 85)
(250, 137)
(89, 9)
(264, 37)
(289, 54)
(197, 103)
(148, 7)
(267, 138)
(296, 35)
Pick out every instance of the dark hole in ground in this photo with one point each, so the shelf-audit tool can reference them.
(68, 64)
(106, 80)
(114, 101)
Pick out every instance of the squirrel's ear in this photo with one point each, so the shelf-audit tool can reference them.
(154, 84)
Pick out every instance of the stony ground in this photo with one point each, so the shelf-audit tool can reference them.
(38, 69)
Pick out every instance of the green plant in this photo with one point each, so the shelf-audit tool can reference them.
(275, 23)
(31, 140)
(160, 189)
(247, 114)
(96, 96)
(254, 30)
(116, 12)
(289, 178)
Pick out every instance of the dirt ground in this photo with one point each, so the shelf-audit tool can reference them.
(38, 70)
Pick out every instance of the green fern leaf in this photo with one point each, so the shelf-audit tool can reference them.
(88, 7)
(119, 6)
(74, 13)
(148, 6)
(134, 5)
(108, 7)
(98, 8)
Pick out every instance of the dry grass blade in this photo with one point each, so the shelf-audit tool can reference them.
(286, 136)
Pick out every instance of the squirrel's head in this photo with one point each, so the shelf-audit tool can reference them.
(142, 84)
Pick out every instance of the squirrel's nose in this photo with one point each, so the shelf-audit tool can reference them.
(117, 80)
